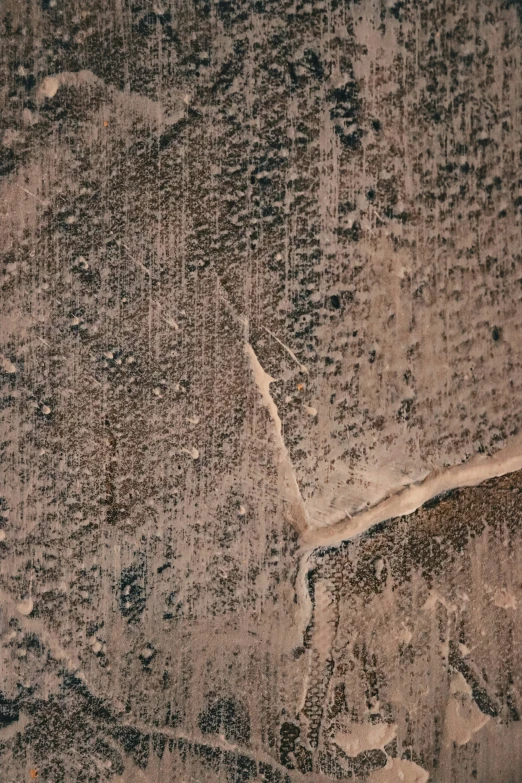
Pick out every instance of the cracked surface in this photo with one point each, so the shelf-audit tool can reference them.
(260, 269)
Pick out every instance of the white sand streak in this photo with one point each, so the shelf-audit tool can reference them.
(408, 500)
(263, 380)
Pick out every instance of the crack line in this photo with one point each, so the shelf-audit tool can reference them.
(289, 351)
(410, 499)
(263, 380)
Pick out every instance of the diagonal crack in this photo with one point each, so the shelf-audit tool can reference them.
(407, 501)
(297, 515)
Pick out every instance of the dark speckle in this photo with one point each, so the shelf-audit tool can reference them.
(8, 712)
(228, 716)
(496, 333)
(289, 733)
(335, 302)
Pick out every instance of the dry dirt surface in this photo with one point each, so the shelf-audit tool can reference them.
(260, 333)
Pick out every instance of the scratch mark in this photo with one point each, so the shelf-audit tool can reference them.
(287, 349)
(134, 260)
(29, 193)
(170, 321)
(383, 220)
(240, 319)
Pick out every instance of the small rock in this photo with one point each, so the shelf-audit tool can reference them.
(49, 87)
(25, 607)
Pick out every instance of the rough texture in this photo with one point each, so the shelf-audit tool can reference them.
(260, 268)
